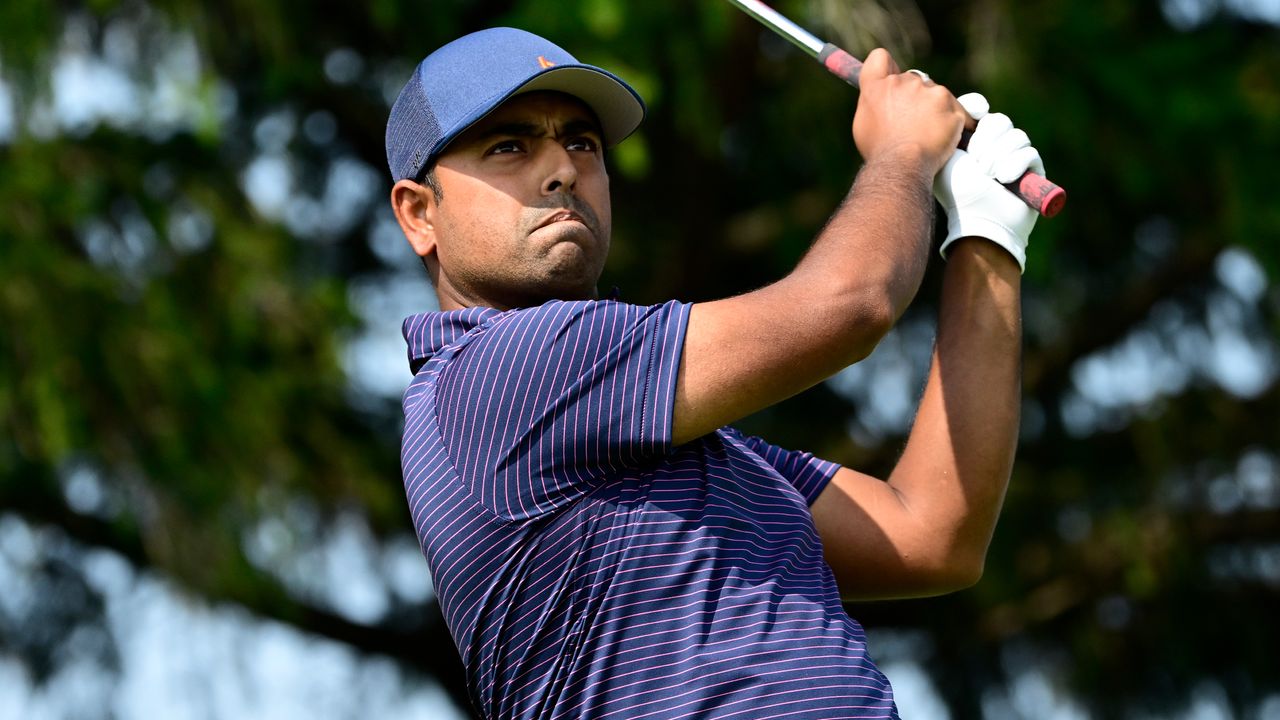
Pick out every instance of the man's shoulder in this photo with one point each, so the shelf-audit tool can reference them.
(547, 350)
(558, 315)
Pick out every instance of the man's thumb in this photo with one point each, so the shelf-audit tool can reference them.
(878, 64)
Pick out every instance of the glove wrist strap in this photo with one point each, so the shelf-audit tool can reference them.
(986, 230)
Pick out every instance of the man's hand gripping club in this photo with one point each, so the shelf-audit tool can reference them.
(969, 189)
(898, 116)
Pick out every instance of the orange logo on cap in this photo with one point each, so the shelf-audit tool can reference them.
(545, 63)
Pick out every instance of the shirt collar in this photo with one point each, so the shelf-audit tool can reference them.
(427, 333)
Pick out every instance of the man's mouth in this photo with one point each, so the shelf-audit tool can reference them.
(562, 216)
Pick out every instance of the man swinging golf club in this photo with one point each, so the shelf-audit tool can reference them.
(602, 544)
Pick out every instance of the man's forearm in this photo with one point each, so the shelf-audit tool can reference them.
(748, 352)
(956, 466)
(877, 242)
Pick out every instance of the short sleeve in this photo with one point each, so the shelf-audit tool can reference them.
(808, 473)
(544, 403)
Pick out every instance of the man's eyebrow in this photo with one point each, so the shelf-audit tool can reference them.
(512, 129)
(581, 126)
(529, 130)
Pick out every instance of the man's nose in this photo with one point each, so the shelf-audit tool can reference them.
(562, 174)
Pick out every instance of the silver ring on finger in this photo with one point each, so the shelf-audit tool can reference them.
(924, 76)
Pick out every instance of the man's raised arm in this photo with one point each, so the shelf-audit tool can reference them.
(751, 351)
(926, 530)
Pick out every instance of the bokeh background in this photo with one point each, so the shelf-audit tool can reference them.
(201, 286)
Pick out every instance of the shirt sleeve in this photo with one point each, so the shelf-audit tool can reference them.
(808, 473)
(544, 403)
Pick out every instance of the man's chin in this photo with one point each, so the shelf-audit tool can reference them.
(574, 280)
(574, 259)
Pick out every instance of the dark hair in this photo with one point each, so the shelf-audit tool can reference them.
(430, 180)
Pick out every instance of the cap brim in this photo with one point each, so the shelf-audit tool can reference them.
(617, 107)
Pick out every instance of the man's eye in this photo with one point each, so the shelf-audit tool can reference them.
(583, 144)
(505, 147)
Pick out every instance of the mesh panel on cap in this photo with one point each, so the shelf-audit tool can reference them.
(411, 131)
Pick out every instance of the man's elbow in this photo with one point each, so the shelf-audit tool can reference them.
(844, 319)
(953, 572)
(961, 574)
(916, 580)
(865, 317)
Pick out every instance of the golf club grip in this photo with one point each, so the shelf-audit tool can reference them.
(1038, 192)
(840, 63)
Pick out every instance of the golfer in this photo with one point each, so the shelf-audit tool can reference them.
(602, 544)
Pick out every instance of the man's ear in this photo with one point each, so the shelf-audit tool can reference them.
(415, 208)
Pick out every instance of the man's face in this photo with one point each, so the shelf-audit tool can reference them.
(524, 213)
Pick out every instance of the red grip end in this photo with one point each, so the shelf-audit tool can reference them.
(1041, 193)
(1053, 202)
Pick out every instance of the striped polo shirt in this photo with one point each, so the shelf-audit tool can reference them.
(586, 567)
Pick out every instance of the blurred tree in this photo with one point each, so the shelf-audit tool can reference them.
(194, 191)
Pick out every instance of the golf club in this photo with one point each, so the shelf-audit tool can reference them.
(1037, 191)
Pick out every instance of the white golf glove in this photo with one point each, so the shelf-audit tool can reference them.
(969, 188)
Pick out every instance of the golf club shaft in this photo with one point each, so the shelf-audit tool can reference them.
(1037, 191)
(778, 22)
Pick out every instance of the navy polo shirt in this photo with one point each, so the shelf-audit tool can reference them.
(586, 567)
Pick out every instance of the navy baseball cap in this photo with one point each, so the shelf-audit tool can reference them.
(460, 83)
